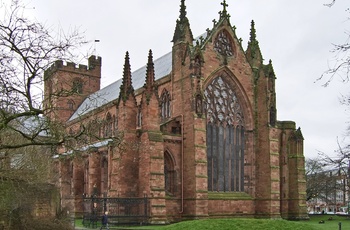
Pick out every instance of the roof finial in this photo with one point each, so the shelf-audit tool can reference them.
(126, 88)
(225, 5)
(127, 71)
(183, 10)
(150, 71)
(182, 30)
(224, 11)
(252, 31)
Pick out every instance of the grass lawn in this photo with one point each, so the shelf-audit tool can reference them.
(329, 224)
(256, 224)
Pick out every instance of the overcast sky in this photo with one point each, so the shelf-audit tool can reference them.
(296, 35)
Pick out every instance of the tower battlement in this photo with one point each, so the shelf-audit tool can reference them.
(93, 67)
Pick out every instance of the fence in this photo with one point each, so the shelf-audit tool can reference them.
(120, 210)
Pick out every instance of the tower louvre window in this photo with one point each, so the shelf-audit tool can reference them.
(225, 137)
(77, 86)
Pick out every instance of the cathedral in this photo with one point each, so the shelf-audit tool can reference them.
(194, 131)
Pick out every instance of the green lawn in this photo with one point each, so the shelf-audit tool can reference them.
(256, 224)
(329, 224)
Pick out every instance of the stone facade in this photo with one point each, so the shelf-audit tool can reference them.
(197, 133)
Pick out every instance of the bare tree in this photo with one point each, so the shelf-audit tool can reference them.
(315, 183)
(330, 3)
(340, 67)
(27, 49)
(27, 180)
(27, 138)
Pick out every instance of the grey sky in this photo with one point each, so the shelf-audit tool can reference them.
(297, 35)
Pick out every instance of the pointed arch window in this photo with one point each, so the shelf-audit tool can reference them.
(165, 105)
(169, 173)
(108, 125)
(225, 137)
(223, 44)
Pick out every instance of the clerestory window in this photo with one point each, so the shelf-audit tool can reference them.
(165, 105)
(108, 125)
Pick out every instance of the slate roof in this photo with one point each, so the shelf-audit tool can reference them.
(162, 66)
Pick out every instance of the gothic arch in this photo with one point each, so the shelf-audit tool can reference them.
(223, 44)
(169, 173)
(108, 124)
(165, 104)
(226, 114)
(239, 90)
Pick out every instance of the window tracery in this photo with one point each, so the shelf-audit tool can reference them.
(223, 44)
(225, 137)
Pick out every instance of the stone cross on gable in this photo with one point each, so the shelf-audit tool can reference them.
(224, 4)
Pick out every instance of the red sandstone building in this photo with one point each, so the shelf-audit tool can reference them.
(198, 129)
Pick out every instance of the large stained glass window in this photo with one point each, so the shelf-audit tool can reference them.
(225, 137)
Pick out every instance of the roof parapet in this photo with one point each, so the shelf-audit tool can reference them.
(93, 62)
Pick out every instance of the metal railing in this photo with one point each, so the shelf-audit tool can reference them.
(121, 211)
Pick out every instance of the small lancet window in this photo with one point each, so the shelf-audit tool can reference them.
(165, 105)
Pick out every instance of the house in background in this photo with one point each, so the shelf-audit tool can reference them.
(330, 192)
(198, 128)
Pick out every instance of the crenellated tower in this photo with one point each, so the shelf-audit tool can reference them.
(67, 85)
